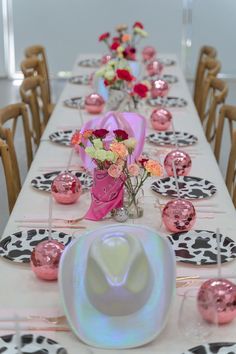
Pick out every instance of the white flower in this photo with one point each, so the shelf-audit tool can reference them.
(109, 75)
(130, 143)
(111, 156)
(90, 151)
(97, 143)
(140, 31)
(101, 72)
(101, 155)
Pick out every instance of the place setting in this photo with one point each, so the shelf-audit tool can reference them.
(85, 79)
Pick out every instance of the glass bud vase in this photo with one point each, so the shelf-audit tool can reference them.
(132, 204)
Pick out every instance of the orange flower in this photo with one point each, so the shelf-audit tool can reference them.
(126, 38)
(76, 138)
(87, 134)
(154, 168)
(120, 149)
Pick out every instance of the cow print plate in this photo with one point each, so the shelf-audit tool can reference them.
(90, 63)
(213, 348)
(43, 182)
(189, 187)
(200, 247)
(169, 138)
(62, 137)
(74, 102)
(168, 102)
(80, 79)
(30, 343)
(19, 246)
(166, 61)
(170, 79)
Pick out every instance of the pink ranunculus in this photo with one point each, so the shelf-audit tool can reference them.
(114, 170)
(134, 169)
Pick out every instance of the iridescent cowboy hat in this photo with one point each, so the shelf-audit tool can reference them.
(117, 284)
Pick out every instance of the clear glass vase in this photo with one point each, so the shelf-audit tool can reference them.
(132, 204)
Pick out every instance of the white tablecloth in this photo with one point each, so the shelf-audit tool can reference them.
(19, 287)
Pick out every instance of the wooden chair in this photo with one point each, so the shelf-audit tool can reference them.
(12, 113)
(10, 170)
(214, 93)
(38, 51)
(205, 51)
(210, 68)
(230, 175)
(32, 91)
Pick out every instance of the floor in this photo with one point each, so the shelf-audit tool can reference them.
(9, 93)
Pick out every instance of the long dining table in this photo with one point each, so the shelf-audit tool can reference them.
(22, 291)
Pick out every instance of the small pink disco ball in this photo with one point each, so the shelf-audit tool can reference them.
(179, 215)
(159, 88)
(45, 259)
(182, 161)
(148, 53)
(217, 300)
(94, 103)
(161, 119)
(154, 68)
(105, 59)
(66, 188)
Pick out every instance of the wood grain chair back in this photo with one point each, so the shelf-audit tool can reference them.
(11, 114)
(227, 113)
(205, 52)
(216, 91)
(32, 66)
(9, 168)
(231, 171)
(32, 91)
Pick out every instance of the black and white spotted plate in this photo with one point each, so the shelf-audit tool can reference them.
(200, 247)
(189, 187)
(90, 63)
(167, 61)
(169, 138)
(213, 348)
(19, 246)
(43, 182)
(62, 137)
(74, 102)
(171, 79)
(80, 79)
(30, 343)
(168, 102)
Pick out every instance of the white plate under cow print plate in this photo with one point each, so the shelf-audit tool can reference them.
(168, 102)
(62, 137)
(167, 61)
(30, 343)
(90, 63)
(169, 138)
(170, 79)
(200, 247)
(189, 187)
(74, 102)
(18, 247)
(80, 79)
(213, 348)
(43, 182)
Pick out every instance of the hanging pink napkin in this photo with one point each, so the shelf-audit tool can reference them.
(106, 194)
(134, 124)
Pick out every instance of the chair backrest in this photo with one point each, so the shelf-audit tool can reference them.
(227, 113)
(39, 52)
(12, 113)
(216, 91)
(230, 175)
(32, 66)
(30, 90)
(205, 51)
(10, 174)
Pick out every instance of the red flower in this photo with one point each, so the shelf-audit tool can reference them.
(109, 82)
(115, 45)
(104, 36)
(129, 53)
(141, 90)
(116, 39)
(100, 133)
(138, 24)
(142, 160)
(120, 134)
(124, 74)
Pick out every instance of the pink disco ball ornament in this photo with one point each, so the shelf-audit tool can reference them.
(94, 103)
(182, 161)
(66, 188)
(105, 59)
(159, 88)
(154, 68)
(148, 53)
(45, 259)
(179, 215)
(161, 119)
(217, 301)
